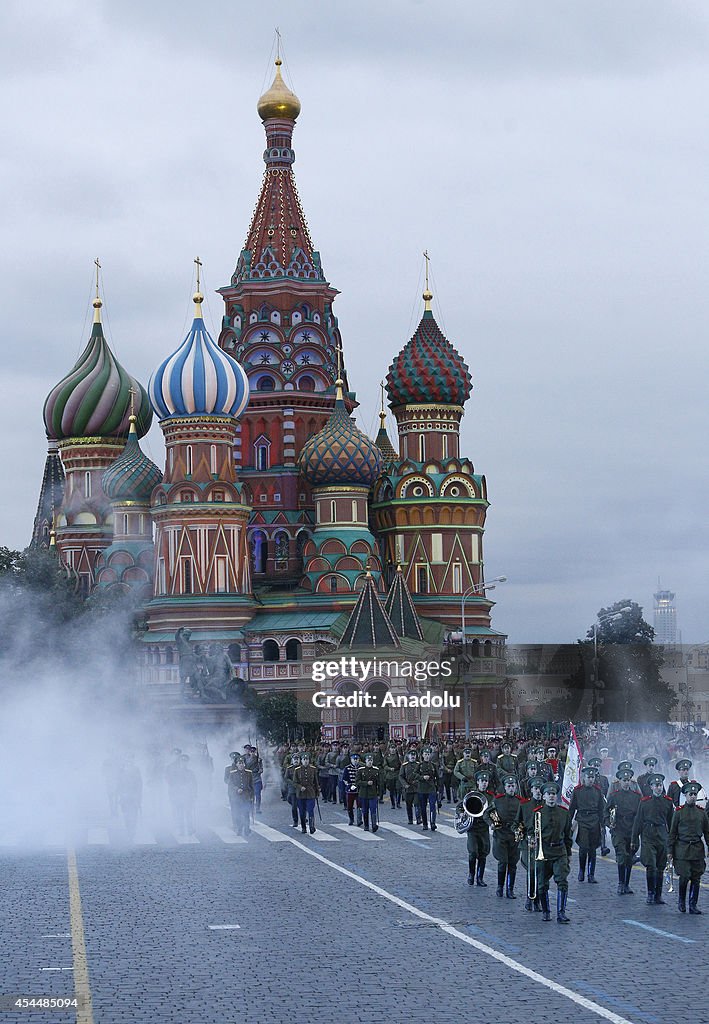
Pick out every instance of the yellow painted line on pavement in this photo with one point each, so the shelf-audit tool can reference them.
(84, 1015)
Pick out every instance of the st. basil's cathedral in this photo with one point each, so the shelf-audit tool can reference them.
(278, 533)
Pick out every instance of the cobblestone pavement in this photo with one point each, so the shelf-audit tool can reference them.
(287, 926)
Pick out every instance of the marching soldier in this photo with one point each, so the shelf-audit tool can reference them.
(478, 838)
(307, 790)
(447, 768)
(620, 814)
(601, 780)
(368, 792)
(407, 779)
(392, 767)
(553, 761)
(676, 788)
(588, 805)
(182, 787)
(506, 761)
(290, 787)
(350, 781)
(543, 768)
(556, 847)
(527, 839)
(240, 788)
(533, 775)
(254, 764)
(625, 766)
(487, 766)
(427, 789)
(649, 762)
(464, 772)
(502, 813)
(651, 827)
(688, 833)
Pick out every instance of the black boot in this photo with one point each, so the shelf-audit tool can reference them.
(472, 861)
(366, 823)
(510, 890)
(501, 872)
(537, 905)
(682, 898)
(694, 898)
(481, 872)
(544, 898)
(528, 905)
(302, 824)
(582, 867)
(621, 879)
(311, 824)
(561, 898)
(650, 887)
(659, 878)
(628, 872)
(592, 868)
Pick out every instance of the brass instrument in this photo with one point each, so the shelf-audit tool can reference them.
(538, 835)
(495, 818)
(472, 806)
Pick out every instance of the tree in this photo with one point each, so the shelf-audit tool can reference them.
(623, 666)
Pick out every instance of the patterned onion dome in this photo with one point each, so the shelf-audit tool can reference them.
(199, 379)
(94, 400)
(428, 370)
(340, 453)
(132, 476)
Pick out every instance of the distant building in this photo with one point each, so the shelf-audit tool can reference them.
(665, 621)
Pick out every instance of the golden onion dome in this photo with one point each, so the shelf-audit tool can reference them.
(278, 101)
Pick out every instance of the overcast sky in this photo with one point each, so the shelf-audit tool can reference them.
(552, 156)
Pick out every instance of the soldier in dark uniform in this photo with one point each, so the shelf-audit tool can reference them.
(533, 776)
(350, 781)
(556, 846)
(448, 764)
(649, 762)
(676, 788)
(368, 792)
(290, 787)
(588, 806)
(543, 768)
(479, 835)
(407, 778)
(507, 762)
(688, 833)
(307, 790)
(527, 839)
(464, 772)
(254, 764)
(130, 793)
(487, 766)
(240, 788)
(621, 808)
(502, 813)
(652, 826)
(601, 780)
(427, 789)
(182, 787)
(625, 766)
(553, 761)
(392, 767)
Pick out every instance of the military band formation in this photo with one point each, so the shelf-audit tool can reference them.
(509, 804)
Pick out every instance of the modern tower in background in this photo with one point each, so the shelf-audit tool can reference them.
(665, 621)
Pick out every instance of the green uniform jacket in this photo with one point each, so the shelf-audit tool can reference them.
(464, 771)
(626, 807)
(426, 777)
(305, 782)
(689, 826)
(407, 776)
(368, 782)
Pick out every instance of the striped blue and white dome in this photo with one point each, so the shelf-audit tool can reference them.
(199, 379)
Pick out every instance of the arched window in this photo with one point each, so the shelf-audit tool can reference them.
(262, 457)
(333, 584)
(422, 448)
(259, 549)
(213, 459)
(87, 485)
(354, 510)
(266, 384)
(234, 652)
(188, 460)
(306, 384)
(293, 650)
(444, 445)
(333, 511)
(271, 651)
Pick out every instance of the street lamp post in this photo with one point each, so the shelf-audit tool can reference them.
(477, 588)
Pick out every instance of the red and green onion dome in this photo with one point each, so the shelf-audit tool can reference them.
(95, 398)
(428, 370)
(132, 476)
(340, 453)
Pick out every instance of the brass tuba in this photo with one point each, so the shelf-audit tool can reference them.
(472, 806)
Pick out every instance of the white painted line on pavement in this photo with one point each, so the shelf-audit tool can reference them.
(97, 837)
(401, 830)
(59, 935)
(223, 927)
(186, 840)
(502, 958)
(446, 830)
(272, 834)
(227, 836)
(359, 833)
(323, 837)
(144, 837)
(659, 931)
(56, 968)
